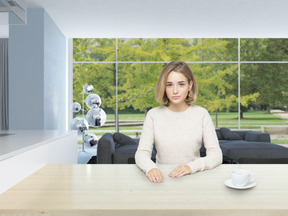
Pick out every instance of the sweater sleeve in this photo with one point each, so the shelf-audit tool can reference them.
(145, 148)
(213, 156)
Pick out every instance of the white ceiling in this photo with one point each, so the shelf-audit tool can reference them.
(168, 18)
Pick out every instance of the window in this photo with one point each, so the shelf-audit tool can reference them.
(239, 79)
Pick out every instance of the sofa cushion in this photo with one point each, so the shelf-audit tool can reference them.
(257, 137)
(263, 161)
(236, 150)
(123, 139)
(124, 152)
(229, 135)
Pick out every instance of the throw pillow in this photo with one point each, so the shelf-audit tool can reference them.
(229, 135)
(219, 135)
(257, 137)
(123, 139)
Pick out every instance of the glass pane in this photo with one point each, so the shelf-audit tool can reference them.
(218, 92)
(264, 91)
(172, 49)
(94, 49)
(102, 77)
(264, 49)
(136, 95)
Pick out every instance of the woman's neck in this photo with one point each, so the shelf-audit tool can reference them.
(178, 107)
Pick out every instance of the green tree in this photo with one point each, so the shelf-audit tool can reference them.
(101, 75)
(136, 86)
(216, 89)
(94, 49)
(271, 79)
(136, 80)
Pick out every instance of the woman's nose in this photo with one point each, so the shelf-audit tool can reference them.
(175, 89)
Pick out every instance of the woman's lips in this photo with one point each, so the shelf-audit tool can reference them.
(176, 97)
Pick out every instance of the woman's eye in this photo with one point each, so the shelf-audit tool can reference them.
(169, 85)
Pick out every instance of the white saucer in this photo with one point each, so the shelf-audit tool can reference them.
(229, 183)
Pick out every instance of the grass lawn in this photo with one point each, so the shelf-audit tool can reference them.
(125, 116)
(252, 120)
(275, 141)
(131, 116)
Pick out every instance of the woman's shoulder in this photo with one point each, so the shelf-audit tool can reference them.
(155, 113)
(198, 109)
(163, 110)
(156, 110)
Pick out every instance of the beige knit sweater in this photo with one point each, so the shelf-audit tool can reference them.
(178, 137)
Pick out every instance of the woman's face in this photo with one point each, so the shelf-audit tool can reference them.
(177, 88)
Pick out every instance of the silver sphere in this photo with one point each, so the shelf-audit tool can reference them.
(96, 117)
(76, 107)
(93, 100)
(88, 88)
(90, 140)
(79, 124)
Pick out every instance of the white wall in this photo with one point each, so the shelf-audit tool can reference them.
(54, 76)
(37, 74)
(69, 86)
(26, 73)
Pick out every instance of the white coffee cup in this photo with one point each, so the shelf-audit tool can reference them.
(241, 177)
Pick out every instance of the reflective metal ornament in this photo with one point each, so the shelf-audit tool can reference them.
(76, 107)
(88, 88)
(90, 140)
(93, 100)
(96, 117)
(79, 124)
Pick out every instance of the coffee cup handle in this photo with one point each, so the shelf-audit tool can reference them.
(252, 178)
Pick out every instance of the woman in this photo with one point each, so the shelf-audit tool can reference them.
(177, 128)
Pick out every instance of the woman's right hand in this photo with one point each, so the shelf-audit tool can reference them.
(155, 175)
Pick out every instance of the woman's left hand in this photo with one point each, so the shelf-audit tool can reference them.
(180, 171)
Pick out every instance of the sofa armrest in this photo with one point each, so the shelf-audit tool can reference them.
(257, 137)
(105, 149)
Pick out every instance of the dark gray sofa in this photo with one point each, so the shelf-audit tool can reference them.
(250, 147)
(236, 146)
(111, 150)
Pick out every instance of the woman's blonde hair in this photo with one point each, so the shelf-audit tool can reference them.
(177, 66)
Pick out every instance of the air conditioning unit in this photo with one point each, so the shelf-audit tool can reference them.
(16, 9)
(12, 6)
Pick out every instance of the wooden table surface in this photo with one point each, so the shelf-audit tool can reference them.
(125, 190)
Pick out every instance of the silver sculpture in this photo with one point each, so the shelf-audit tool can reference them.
(96, 117)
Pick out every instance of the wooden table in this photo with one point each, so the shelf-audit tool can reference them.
(125, 190)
